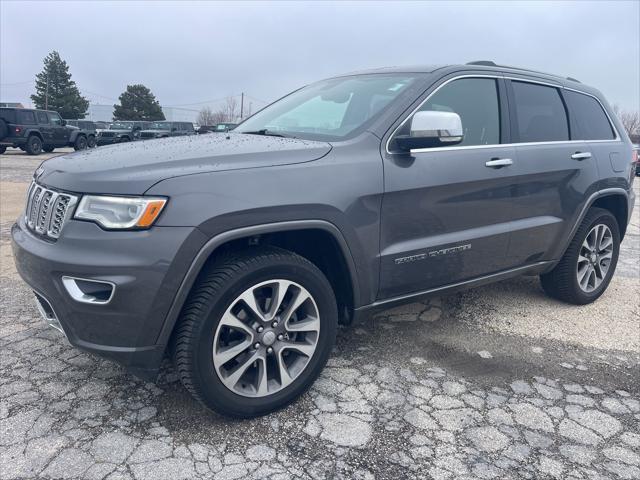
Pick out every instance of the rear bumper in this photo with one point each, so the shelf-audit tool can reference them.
(146, 268)
(13, 142)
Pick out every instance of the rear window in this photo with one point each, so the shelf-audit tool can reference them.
(8, 114)
(591, 122)
(26, 117)
(540, 113)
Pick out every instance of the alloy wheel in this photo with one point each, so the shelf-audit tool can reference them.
(266, 338)
(594, 258)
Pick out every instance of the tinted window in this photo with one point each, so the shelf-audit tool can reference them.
(42, 118)
(540, 113)
(26, 117)
(591, 123)
(8, 114)
(476, 101)
(54, 118)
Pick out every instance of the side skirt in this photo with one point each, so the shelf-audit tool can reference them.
(362, 313)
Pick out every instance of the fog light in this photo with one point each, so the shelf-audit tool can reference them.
(85, 290)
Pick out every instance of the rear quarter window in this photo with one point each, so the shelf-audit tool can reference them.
(590, 121)
(540, 113)
(26, 117)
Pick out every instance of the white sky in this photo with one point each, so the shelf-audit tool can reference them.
(189, 53)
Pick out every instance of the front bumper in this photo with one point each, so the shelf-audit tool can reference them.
(146, 268)
(100, 140)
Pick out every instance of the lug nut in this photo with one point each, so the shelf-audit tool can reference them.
(260, 329)
(256, 345)
(269, 350)
(274, 324)
(280, 337)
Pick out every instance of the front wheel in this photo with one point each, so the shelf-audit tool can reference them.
(256, 332)
(91, 141)
(48, 148)
(585, 270)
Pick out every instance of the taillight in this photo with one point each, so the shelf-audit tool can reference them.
(18, 129)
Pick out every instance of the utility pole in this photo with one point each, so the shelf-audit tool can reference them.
(241, 105)
(46, 95)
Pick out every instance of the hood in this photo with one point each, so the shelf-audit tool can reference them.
(133, 167)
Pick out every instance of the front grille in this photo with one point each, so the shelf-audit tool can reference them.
(108, 134)
(47, 210)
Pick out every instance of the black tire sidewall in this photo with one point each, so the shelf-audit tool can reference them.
(91, 142)
(214, 391)
(609, 220)
(2, 149)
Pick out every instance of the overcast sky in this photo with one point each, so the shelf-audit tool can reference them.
(192, 53)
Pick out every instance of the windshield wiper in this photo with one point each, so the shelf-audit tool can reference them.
(268, 133)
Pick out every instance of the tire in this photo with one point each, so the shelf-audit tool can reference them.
(563, 281)
(34, 145)
(124, 140)
(201, 328)
(2, 149)
(91, 141)
(48, 148)
(80, 143)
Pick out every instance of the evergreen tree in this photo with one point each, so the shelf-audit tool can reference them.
(56, 91)
(137, 103)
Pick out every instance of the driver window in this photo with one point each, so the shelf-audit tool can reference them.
(476, 101)
(54, 118)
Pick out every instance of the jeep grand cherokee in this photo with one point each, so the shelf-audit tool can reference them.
(238, 254)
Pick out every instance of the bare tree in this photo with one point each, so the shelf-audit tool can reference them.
(630, 120)
(228, 112)
(206, 116)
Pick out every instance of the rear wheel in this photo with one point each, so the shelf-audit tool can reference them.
(80, 143)
(91, 141)
(585, 270)
(34, 145)
(256, 332)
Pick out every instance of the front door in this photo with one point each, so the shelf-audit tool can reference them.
(46, 129)
(446, 212)
(60, 132)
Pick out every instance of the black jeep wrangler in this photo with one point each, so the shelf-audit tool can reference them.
(35, 131)
(88, 128)
(167, 129)
(121, 131)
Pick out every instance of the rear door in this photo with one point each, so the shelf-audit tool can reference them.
(445, 213)
(45, 127)
(552, 174)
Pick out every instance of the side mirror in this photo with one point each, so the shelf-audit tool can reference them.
(432, 129)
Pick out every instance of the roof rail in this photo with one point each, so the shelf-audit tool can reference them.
(489, 63)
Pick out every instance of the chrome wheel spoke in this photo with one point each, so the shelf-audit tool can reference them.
(303, 348)
(233, 378)
(300, 297)
(605, 243)
(280, 292)
(582, 259)
(309, 324)
(594, 258)
(231, 321)
(249, 299)
(606, 256)
(285, 378)
(223, 356)
(263, 380)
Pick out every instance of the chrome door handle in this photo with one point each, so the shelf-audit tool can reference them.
(581, 155)
(499, 162)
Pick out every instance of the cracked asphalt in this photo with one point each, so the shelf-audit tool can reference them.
(497, 382)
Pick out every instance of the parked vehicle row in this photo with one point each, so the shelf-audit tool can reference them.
(218, 128)
(35, 131)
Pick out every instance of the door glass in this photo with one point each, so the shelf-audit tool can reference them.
(476, 101)
(54, 118)
(42, 118)
(591, 121)
(26, 117)
(540, 113)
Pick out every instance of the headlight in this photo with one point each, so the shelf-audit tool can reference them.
(120, 212)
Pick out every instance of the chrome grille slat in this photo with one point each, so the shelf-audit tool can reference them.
(48, 210)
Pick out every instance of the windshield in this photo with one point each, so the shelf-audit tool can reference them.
(330, 109)
(121, 126)
(159, 126)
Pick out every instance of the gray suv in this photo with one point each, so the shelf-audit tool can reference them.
(239, 254)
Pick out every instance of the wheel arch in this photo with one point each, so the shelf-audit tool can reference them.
(284, 235)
